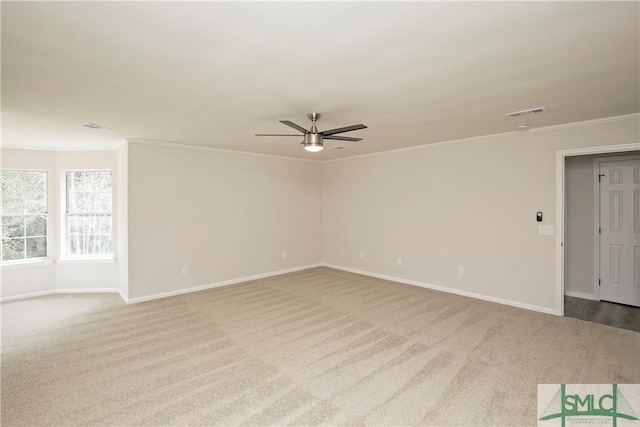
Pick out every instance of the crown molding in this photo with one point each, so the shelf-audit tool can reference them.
(217, 150)
(495, 135)
(378, 153)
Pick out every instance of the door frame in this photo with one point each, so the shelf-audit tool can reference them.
(597, 162)
(561, 155)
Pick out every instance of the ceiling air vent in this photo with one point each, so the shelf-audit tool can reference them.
(526, 112)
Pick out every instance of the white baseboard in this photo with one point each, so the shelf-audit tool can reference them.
(217, 284)
(162, 295)
(292, 270)
(29, 295)
(64, 291)
(582, 295)
(448, 290)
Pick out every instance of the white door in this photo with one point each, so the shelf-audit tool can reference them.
(620, 231)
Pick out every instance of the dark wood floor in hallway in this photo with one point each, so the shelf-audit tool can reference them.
(603, 312)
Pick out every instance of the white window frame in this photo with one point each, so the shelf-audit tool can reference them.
(34, 260)
(65, 235)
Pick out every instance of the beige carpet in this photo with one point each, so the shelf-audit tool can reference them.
(318, 347)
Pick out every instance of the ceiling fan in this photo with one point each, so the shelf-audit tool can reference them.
(312, 138)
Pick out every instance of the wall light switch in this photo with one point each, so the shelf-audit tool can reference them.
(545, 230)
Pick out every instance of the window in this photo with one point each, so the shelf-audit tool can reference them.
(89, 228)
(24, 214)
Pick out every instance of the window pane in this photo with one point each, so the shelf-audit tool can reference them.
(92, 223)
(92, 244)
(36, 247)
(24, 213)
(36, 226)
(12, 249)
(89, 205)
(75, 224)
(75, 245)
(24, 191)
(76, 202)
(105, 201)
(109, 245)
(11, 204)
(35, 196)
(105, 224)
(89, 191)
(13, 226)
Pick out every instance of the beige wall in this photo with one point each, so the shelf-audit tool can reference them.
(580, 226)
(67, 275)
(224, 215)
(469, 204)
(229, 216)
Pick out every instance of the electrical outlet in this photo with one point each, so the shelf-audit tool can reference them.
(399, 261)
(361, 255)
(185, 269)
(460, 270)
(284, 255)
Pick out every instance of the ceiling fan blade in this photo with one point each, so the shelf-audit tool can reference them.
(339, 147)
(343, 138)
(344, 129)
(275, 134)
(295, 126)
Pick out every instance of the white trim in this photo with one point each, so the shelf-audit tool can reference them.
(428, 145)
(218, 284)
(492, 136)
(86, 261)
(596, 234)
(26, 296)
(586, 123)
(582, 295)
(64, 291)
(10, 146)
(218, 150)
(446, 289)
(560, 198)
(88, 291)
(36, 262)
(415, 147)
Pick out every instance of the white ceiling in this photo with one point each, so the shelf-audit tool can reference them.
(214, 73)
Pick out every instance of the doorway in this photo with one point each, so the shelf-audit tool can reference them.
(579, 225)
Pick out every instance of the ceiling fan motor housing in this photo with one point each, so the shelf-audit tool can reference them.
(313, 139)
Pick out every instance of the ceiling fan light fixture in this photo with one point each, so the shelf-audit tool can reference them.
(313, 142)
(313, 148)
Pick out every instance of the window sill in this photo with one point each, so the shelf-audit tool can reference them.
(7, 265)
(86, 261)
